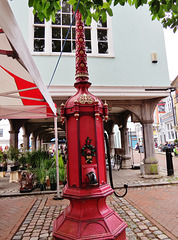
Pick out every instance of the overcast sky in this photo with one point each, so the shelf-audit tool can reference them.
(171, 41)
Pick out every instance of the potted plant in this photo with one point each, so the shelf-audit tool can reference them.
(12, 154)
(52, 177)
(3, 167)
(62, 171)
(41, 176)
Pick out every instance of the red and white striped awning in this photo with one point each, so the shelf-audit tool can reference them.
(23, 95)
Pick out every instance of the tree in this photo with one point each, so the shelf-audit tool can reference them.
(164, 10)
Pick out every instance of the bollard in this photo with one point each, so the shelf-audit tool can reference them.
(170, 169)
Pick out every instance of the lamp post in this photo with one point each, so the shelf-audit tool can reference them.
(172, 105)
(88, 216)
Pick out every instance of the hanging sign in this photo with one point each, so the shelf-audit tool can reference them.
(161, 107)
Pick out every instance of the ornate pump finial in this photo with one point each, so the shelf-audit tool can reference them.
(81, 57)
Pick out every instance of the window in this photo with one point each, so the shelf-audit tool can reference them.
(48, 37)
(172, 133)
(1, 132)
(169, 135)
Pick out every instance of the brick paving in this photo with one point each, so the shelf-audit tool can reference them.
(38, 223)
(12, 213)
(160, 205)
(150, 212)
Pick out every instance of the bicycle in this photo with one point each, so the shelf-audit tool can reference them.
(118, 161)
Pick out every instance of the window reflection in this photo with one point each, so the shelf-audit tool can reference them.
(65, 7)
(56, 46)
(73, 33)
(73, 46)
(64, 33)
(57, 19)
(56, 32)
(101, 24)
(102, 47)
(37, 20)
(102, 35)
(66, 19)
(67, 47)
(87, 34)
(39, 45)
(39, 32)
(88, 47)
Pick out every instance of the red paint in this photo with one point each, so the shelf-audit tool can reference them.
(33, 94)
(88, 216)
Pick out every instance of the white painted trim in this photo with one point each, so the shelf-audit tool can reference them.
(48, 45)
(111, 92)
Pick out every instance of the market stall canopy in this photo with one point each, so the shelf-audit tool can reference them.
(23, 95)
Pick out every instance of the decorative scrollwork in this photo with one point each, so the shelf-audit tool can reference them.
(85, 98)
(88, 151)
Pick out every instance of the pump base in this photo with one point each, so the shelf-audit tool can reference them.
(89, 219)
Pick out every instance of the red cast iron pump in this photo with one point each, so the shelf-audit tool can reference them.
(87, 216)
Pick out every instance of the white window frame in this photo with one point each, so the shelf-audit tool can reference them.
(48, 45)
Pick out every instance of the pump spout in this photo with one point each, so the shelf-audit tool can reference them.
(92, 178)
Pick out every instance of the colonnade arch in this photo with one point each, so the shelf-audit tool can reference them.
(39, 131)
(140, 111)
(119, 110)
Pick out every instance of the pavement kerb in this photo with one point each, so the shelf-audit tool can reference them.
(152, 220)
(27, 194)
(135, 185)
(148, 184)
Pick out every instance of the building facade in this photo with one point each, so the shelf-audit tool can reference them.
(126, 62)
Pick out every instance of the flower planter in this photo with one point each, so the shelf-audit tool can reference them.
(4, 169)
(14, 168)
(43, 187)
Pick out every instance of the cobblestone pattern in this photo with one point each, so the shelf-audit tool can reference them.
(38, 223)
(138, 226)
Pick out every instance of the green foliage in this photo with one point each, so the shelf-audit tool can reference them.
(61, 163)
(45, 8)
(23, 160)
(40, 173)
(1, 154)
(62, 168)
(35, 158)
(164, 10)
(52, 175)
(13, 153)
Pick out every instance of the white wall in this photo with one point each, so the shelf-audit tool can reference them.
(135, 37)
(4, 140)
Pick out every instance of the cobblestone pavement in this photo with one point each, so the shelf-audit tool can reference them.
(38, 222)
(150, 208)
(159, 205)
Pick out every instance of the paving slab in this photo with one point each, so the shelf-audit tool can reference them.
(12, 212)
(159, 205)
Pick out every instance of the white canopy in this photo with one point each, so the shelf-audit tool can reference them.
(23, 94)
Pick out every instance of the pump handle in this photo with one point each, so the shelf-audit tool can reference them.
(110, 170)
